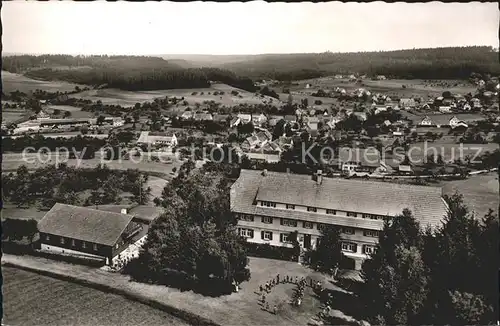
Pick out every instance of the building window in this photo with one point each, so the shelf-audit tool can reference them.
(47, 237)
(267, 204)
(284, 237)
(352, 214)
(307, 225)
(246, 217)
(290, 206)
(116, 246)
(267, 219)
(62, 240)
(371, 216)
(95, 247)
(267, 235)
(321, 226)
(84, 245)
(348, 230)
(370, 233)
(348, 246)
(311, 209)
(369, 249)
(73, 242)
(331, 211)
(288, 222)
(247, 233)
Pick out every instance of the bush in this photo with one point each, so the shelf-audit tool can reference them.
(268, 251)
(234, 93)
(318, 102)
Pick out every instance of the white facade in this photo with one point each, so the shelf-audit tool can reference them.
(59, 250)
(357, 242)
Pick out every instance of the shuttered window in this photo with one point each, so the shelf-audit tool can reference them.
(266, 235)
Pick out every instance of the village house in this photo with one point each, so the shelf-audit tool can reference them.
(445, 109)
(476, 103)
(271, 205)
(426, 121)
(263, 157)
(235, 121)
(259, 120)
(167, 139)
(352, 160)
(86, 232)
(442, 121)
(245, 118)
(381, 77)
(203, 116)
(186, 115)
(407, 103)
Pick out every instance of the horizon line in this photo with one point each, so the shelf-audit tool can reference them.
(7, 53)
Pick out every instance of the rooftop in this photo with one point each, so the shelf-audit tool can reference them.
(372, 197)
(83, 223)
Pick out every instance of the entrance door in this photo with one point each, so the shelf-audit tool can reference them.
(307, 241)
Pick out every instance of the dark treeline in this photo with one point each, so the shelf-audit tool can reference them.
(438, 63)
(124, 72)
(37, 142)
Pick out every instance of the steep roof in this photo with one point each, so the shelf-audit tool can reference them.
(83, 223)
(372, 197)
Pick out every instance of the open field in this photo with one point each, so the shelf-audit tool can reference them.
(128, 98)
(157, 185)
(415, 87)
(13, 116)
(76, 112)
(12, 82)
(240, 308)
(11, 161)
(32, 299)
(481, 192)
(68, 134)
(449, 151)
(11, 211)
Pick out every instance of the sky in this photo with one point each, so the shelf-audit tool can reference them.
(256, 27)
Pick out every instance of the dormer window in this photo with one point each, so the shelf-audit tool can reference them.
(267, 204)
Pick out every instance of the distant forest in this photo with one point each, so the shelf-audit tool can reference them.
(437, 63)
(124, 72)
(153, 73)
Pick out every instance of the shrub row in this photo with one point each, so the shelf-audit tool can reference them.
(268, 251)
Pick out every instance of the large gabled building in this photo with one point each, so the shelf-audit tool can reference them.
(271, 205)
(87, 232)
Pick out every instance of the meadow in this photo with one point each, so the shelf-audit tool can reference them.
(33, 299)
(11, 161)
(481, 192)
(12, 82)
(129, 98)
(13, 115)
(414, 87)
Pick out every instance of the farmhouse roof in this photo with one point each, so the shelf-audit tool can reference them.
(148, 138)
(83, 223)
(245, 118)
(372, 197)
(263, 157)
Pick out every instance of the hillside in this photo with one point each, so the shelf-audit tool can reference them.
(132, 73)
(438, 63)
